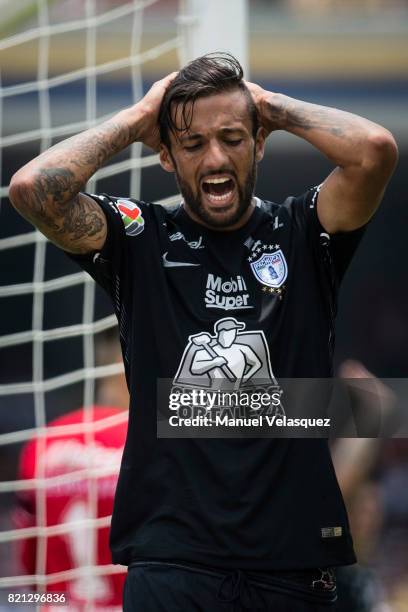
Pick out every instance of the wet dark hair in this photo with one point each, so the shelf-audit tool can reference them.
(205, 76)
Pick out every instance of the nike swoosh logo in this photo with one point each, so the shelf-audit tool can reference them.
(176, 264)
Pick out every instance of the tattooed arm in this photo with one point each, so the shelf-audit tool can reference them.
(46, 191)
(365, 155)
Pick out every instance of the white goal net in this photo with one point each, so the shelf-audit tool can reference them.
(65, 66)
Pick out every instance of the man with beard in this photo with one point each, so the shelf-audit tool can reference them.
(218, 524)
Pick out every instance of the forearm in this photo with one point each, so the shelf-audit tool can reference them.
(346, 139)
(56, 176)
(364, 154)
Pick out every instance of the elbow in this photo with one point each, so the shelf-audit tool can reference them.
(381, 152)
(20, 191)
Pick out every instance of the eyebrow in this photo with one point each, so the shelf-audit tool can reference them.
(225, 130)
(190, 137)
(235, 130)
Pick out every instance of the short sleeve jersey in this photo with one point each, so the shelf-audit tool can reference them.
(252, 504)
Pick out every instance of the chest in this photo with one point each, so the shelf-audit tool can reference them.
(227, 306)
(250, 276)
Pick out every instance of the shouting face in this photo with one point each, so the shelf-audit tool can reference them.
(215, 160)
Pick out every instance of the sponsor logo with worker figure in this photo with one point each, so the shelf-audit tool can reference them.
(230, 355)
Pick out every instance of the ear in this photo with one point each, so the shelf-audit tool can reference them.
(260, 144)
(166, 160)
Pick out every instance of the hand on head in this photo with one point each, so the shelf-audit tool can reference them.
(263, 99)
(151, 102)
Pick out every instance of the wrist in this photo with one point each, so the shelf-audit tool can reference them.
(274, 109)
(133, 120)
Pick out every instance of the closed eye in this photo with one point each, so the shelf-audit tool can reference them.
(193, 147)
(234, 143)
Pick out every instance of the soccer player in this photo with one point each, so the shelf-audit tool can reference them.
(68, 500)
(219, 524)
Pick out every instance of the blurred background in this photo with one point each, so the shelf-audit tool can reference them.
(65, 64)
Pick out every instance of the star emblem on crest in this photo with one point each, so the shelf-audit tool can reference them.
(272, 291)
(262, 249)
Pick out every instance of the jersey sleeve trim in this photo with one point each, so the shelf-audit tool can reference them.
(105, 264)
(114, 222)
(342, 244)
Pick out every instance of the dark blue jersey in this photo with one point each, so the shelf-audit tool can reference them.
(253, 503)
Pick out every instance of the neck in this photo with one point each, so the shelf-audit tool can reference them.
(229, 228)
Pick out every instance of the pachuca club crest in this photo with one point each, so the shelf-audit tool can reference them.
(268, 265)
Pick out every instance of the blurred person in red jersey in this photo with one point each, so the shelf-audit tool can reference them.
(73, 500)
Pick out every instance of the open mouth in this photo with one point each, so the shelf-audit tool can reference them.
(219, 190)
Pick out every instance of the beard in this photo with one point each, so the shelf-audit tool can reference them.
(245, 193)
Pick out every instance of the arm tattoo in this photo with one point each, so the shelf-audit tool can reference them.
(53, 202)
(317, 118)
(82, 220)
(292, 114)
(54, 197)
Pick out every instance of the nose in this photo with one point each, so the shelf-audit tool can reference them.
(216, 157)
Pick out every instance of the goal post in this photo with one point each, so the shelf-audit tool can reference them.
(214, 25)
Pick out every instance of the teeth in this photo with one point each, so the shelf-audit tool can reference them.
(217, 181)
(222, 198)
